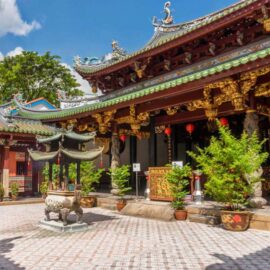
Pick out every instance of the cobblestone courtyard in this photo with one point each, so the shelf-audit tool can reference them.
(120, 242)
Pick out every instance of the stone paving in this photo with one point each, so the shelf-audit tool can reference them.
(120, 242)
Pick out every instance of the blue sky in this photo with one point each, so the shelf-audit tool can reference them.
(87, 27)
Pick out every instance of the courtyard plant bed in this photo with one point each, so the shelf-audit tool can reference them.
(178, 178)
(14, 190)
(89, 177)
(120, 176)
(227, 162)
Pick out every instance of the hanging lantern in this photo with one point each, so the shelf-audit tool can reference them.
(224, 122)
(190, 128)
(168, 131)
(123, 137)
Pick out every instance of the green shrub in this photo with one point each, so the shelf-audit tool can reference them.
(2, 192)
(44, 187)
(14, 188)
(226, 162)
(178, 178)
(89, 176)
(55, 174)
(120, 177)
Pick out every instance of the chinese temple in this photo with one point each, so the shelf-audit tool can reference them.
(162, 100)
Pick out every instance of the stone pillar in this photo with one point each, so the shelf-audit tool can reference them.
(251, 125)
(5, 175)
(115, 152)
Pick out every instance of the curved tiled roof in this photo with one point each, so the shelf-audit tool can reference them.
(148, 90)
(27, 127)
(161, 37)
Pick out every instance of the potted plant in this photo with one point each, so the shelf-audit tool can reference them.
(14, 190)
(44, 187)
(2, 192)
(120, 176)
(89, 176)
(178, 178)
(226, 162)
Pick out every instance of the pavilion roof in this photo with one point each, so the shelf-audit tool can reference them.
(189, 74)
(163, 34)
(26, 127)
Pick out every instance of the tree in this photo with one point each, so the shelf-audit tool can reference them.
(35, 76)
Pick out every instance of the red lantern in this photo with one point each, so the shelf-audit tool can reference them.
(190, 128)
(223, 121)
(123, 137)
(168, 131)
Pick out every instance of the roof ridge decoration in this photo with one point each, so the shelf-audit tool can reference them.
(175, 31)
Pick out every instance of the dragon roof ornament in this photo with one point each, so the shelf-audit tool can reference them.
(117, 54)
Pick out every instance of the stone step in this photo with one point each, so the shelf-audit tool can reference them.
(145, 209)
(203, 210)
(107, 206)
(211, 220)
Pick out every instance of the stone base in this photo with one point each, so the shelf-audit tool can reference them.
(257, 202)
(211, 220)
(149, 209)
(56, 226)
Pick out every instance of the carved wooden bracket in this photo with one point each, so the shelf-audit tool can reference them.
(104, 120)
(134, 120)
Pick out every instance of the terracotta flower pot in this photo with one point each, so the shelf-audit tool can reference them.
(44, 195)
(180, 214)
(88, 201)
(13, 197)
(121, 204)
(235, 220)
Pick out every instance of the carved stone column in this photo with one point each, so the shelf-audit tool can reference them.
(251, 125)
(115, 151)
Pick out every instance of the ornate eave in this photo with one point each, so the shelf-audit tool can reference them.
(199, 74)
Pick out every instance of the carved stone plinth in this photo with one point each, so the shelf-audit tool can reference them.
(256, 200)
(57, 226)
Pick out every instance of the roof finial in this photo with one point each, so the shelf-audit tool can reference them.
(168, 16)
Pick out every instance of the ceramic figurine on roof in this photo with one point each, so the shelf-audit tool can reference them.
(168, 17)
(117, 52)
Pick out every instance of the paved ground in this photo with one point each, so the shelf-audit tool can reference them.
(120, 242)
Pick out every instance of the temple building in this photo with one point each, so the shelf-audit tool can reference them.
(162, 100)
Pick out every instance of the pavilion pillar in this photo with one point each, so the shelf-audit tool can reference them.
(61, 174)
(78, 172)
(115, 152)
(251, 126)
(66, 175)
(5, 174)
(50, 175)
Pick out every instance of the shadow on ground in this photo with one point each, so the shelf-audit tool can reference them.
(91, 218)
(255, 261)
(5, 246)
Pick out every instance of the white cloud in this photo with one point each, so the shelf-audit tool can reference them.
(84, 85)
(16, 51)
(1, 56)
(11, 21)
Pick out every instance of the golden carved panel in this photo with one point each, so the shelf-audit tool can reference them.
(159, 187)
